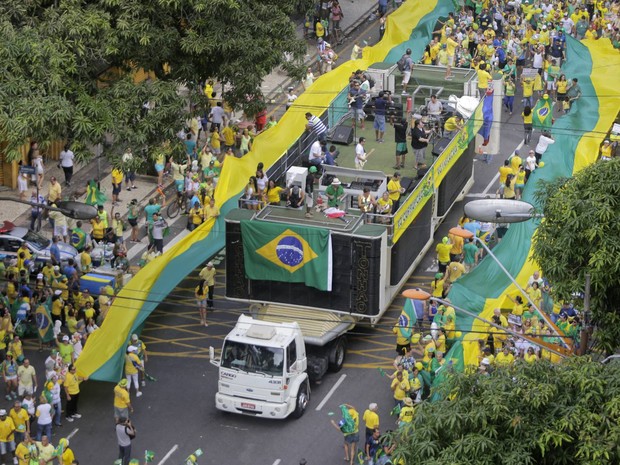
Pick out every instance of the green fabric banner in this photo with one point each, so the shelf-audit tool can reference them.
(282, 252)
(407, 319)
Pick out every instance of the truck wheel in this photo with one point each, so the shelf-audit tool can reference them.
(337, 354)
(303, 397)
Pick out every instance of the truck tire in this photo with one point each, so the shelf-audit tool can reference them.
(337, 354)
(303, 397)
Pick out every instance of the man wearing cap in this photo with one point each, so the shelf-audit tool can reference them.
(122, 402)
(66, 349)
(140, 352)
(132, 366)
(335, 194)
(208, 274)
(7, 442)
(371, 419)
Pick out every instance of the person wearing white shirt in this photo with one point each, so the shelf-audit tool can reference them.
(434, 106)
(316, 156)
(530, 164)
(66, 163)
(290, 97)
(360, 154)
(543, 143)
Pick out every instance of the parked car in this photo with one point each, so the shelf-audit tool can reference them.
(12, 237)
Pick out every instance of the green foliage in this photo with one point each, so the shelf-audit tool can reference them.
(527, 414)
(54, 57)
(579, 235)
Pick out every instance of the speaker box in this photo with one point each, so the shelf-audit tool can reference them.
(342, 135)
(440, 146)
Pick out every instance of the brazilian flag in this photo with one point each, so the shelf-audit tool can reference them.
(282, 252)
(542, 114)
(43, 319)
(407, 319)
(93, 195)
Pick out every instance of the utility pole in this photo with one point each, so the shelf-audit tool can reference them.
(585, 324)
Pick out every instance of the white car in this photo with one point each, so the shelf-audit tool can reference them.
(12, 237)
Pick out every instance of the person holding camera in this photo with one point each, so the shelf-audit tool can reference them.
(125, 433)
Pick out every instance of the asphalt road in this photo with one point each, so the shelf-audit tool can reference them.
(176, 415)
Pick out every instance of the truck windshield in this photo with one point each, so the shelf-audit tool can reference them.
(253, 358)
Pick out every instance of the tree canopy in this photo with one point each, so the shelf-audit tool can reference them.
(56, 58)
(536, 413)
(579, 235)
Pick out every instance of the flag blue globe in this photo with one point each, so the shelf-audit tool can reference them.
(290, 251)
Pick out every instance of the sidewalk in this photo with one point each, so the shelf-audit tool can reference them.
(356, 14)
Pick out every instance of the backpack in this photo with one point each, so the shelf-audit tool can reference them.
(402, 63)
(371, 81)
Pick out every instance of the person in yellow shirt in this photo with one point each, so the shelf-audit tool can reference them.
(195, 216)
(606, 150)
(530, 356)
(504, 358)
(451, 46)
(122, 403)
(483, 79)
(527, 116)
(72, 392)
(200, 293)
(133, 365)
(443, 254)
(67, 457)
(437, 285)
(24, 449)
(55, 191)
(371, 419)
(455, 270)
(211, 210)
(400, 388)
(98, 230)
(434, 49)
(228, 133)
(504, 171)
(7, 428)
(274, 192)
(457, 246)
(528, 90)
(208, 274)
(351, 438)
(117, 184)
(216, 142)
(395, 190)
(405, 416)
(21, 420)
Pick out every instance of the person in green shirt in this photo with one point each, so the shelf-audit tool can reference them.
(335, 194)
(470, 251)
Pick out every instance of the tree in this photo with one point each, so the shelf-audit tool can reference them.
(67, 64)
(536, 413)
(579, 235)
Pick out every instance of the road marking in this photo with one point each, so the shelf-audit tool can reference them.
(496, 177)
(72, 433)
(234, 427)
(167, 456)
(277, 462)
(330, 393)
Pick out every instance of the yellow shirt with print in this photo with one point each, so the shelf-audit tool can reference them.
(406, 414)
(20, 419)
(72, 384)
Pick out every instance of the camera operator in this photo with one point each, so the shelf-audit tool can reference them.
(125, 433)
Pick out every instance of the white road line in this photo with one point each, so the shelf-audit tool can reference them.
(496, 177)
(277, 462)
(72, 433)
(167, 456)
(330, 393)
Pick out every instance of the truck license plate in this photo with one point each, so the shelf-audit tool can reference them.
(246, 405)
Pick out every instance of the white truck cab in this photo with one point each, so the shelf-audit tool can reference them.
(262, 370)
